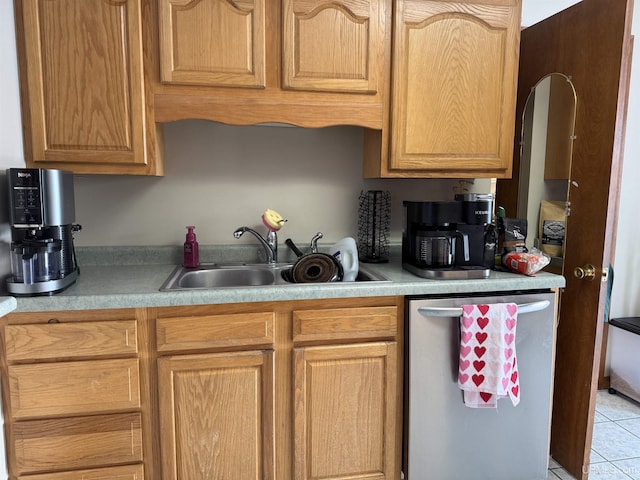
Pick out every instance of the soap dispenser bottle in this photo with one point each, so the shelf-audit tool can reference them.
(191, 254)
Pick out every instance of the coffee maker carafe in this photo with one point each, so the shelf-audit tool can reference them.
(42, 212)
(449, 239)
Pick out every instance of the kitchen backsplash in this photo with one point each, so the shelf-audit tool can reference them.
(219, 177)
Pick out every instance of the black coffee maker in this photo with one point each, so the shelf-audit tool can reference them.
(449, 239)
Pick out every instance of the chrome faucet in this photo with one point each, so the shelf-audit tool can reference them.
(270, 244)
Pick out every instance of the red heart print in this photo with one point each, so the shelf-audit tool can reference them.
(464, 364)
(514, 376)
(509, 338)
(479, 351)
(505, 383)
(512, 308)
(485, 396)
(483, 309)
(507, 353)
(467, 309)
(481, 337)
(466, 336)
(515, 390)
(467, 321)
(477, 379)
(483, 322)
(462, 377)
(464, 351)
(511, 322)
(478, 365)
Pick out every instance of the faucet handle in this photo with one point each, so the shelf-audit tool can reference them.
(314, 242)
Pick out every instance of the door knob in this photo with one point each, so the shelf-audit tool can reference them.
(588, 272)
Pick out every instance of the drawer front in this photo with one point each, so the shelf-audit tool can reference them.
(56, 389)
(56, 445)
(215, 331)
(127, 472)
(366, 323)
(70, 340)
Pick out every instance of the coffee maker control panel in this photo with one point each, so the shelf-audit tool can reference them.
(40, 198)
(26, 200)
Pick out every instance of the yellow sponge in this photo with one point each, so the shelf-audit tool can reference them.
(272, 220)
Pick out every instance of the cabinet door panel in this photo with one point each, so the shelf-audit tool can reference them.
(337, 45)
(69, 340)
(81, 442)
(455, 73)
(74, 387)
(345, 411)
(128, 472)
(216, 416)
(84, 77)
(213, 42)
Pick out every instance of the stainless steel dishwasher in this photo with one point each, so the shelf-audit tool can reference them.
(445, 439)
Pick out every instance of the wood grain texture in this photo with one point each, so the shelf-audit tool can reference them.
(330, 86)
(374, 323)
(213, 42)
(68, 388)
(591, 43)
(216, 412)
(215, 331)
(75, 443)
(82, 84)
(455, 75)
(455, 71)
(127, 472)
(70, 340)
(341, 394)
(333, 46)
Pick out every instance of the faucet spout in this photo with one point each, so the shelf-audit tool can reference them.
(270, 244)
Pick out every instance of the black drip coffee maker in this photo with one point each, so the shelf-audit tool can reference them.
(449, 239)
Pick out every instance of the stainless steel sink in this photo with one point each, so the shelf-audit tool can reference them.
(240, 275)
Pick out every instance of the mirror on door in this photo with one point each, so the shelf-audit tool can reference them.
(546, 145)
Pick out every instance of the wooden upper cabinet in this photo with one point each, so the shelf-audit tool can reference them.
(213, 42)
(333, 45)
(84, 105)
(309, 63)
(455, 68)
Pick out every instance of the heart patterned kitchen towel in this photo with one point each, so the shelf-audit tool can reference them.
(488, 368)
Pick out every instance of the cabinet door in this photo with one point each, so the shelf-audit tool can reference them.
(455, 75)
(216, 416)
(334, 45)
(82, 78)
(345, 412)
(213, 42)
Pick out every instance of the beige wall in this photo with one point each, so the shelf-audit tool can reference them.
(219, 177)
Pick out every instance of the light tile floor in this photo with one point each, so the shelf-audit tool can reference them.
(615, 448)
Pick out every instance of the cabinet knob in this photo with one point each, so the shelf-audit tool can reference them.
(53, 320)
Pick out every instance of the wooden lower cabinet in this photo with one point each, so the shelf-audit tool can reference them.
(300, 390)
(216, 416)
(345, 411)
(76, 395)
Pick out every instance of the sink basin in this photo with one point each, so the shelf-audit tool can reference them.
(241, 275)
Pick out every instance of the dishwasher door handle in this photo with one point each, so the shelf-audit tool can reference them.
(457, 312)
